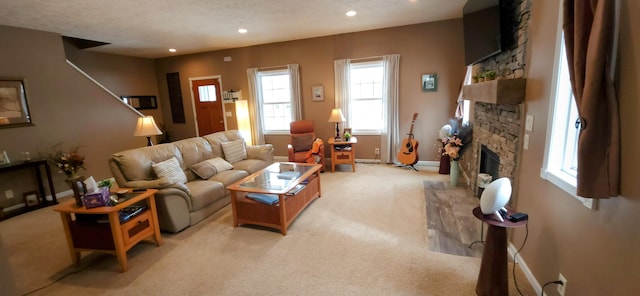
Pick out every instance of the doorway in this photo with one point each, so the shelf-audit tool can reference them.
(207, 104)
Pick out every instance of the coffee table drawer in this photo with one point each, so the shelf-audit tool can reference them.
(137, 228)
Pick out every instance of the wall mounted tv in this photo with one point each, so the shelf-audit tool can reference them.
(487, 29)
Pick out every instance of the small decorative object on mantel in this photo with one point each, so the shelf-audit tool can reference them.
(454, 146)
(70, 163)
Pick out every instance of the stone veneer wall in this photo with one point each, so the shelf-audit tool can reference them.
(499, 127)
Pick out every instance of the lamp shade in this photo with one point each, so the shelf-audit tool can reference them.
(336, 115)
(147, 127)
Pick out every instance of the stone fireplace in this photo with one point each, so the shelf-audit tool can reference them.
(496, 144)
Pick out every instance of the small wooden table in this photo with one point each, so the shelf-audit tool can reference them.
(112, 237)
(267, 181)
(492, 279)
(346, 155)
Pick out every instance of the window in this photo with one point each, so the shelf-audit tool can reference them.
(275, 93)
(207, 93)
(365, 97)
(561, 155)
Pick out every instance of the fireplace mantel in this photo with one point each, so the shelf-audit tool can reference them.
(501, 91)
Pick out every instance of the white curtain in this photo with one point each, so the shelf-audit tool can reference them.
(467, 80)
(341, 69)
(390, 137)
(294, 82)
(257, 133)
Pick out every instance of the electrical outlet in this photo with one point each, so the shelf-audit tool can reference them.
(562, 288)
(377, 151)
(8, 193)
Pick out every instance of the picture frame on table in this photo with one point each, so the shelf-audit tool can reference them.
(429, 82)
(4, 158)
(317, 93)
(31, 198)
(14, 109)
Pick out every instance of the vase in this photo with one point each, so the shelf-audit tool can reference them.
(454, 172)
(78, 187)
(445, 163)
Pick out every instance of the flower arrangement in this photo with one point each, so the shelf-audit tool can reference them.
(69, 162)
(454, 140)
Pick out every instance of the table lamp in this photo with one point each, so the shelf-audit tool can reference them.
(146, 128)
(337, 117)
(495, 197)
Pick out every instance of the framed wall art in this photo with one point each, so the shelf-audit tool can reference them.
(31, 198)
(14, 110)
(429, 82)
(141, 102)
(317, 93)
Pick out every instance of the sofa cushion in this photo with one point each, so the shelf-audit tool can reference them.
(229, 177)
(204, 192)
(171, 170)
(135, 164)
(250, 165)
(234, 151)
(302, 142)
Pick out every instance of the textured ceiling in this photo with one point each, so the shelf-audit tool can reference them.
(148, 28)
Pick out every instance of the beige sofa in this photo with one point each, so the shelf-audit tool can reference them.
(181, 204)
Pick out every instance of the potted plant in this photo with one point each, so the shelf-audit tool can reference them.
(481, 77)
(489, 75)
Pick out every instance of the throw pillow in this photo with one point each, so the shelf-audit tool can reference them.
(234, 151)
(220, 164)
(170, 169)
(302, 142)
(207, 168)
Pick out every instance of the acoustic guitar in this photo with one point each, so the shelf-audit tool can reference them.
(408, 154)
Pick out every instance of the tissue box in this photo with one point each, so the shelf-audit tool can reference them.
(96, 199)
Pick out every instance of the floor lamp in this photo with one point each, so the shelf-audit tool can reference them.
(337, 117)
(146, 128)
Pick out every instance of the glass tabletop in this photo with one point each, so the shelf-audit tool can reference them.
(277, 176)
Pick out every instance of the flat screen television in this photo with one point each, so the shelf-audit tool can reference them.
(487, 27)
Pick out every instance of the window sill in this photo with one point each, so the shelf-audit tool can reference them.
(564, 183)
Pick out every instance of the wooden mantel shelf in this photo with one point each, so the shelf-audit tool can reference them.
(501, 91)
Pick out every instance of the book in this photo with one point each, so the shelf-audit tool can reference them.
(130, 212)
(269, 199)
(288, 175)
(295, 189)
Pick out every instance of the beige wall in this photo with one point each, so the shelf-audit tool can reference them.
(596, 250)
(424, 48)
(65, 107)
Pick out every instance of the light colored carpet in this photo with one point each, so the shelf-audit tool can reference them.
(366, 235)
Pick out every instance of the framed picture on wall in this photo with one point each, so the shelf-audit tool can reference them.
(14, 110)
(317, 93)
(429, 82)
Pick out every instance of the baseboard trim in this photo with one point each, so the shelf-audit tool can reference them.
(430, 163)
(525, 269)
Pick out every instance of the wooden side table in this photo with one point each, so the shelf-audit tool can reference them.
(112, 237)
(347, 155)
(492, 279)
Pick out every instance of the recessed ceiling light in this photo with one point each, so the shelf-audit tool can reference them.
(242, 31)
(351, 13)
(172, 49)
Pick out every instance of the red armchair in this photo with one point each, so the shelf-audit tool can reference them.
(301, 142)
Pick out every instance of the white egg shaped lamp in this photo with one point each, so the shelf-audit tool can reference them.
(445, 132)
(495, 197)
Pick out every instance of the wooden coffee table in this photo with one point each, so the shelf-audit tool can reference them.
(270, 181)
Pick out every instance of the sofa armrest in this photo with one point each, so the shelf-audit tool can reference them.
(263, 152)
(290, 152)
(161, 183)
